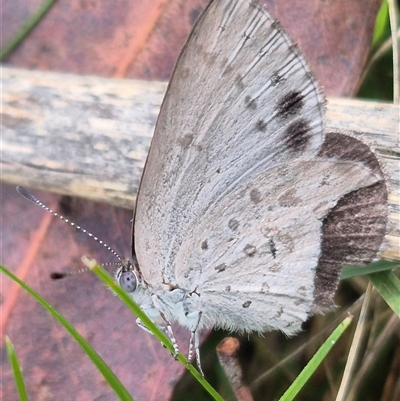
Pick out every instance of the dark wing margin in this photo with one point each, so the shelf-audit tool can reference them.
(353, 231)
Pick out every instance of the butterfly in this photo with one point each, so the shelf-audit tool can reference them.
(247, 209)
(230, 209)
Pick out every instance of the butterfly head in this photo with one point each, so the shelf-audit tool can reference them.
(128, 275)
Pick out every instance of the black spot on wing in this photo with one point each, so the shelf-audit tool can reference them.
(255, 196)
(276, 79)
(246, 304)
(261, 125)
(204, 245)
(290, 104)
(297, 135)
(220, 268)
(233, 224)
(250, 102)
(272, 247)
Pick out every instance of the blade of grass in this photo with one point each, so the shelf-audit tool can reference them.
(381, 24)
(375, 267)
(17, 371)
(109, 376)
(355, 347)
(388, 286)
(382, 277)
(136, 310)
(315, 361)
(26, 29)
(393, 17)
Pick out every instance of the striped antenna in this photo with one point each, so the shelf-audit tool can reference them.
(55, 275)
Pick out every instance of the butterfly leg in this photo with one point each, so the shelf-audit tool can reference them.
(167, 330)
(195, 343)
(142, 326)
(170, 334)
(197, 350)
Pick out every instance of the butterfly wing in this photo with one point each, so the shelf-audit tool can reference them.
(229, 112)
(241, 118)
(253, 256)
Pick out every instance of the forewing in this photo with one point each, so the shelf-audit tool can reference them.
(241, 100)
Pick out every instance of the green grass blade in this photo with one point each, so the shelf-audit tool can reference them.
(109, 376)
(136, 310)
(315, 361)
(381, 265)
(382, 277)
(16, 367)
(382, 28)
(26, 29)
(388, 286)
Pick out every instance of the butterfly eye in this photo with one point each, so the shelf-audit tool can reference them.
(127, 280)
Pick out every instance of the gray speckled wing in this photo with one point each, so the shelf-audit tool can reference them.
(233, 195)
(230, 112)
(252, 256)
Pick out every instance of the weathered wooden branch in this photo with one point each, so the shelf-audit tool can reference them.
(89, 136)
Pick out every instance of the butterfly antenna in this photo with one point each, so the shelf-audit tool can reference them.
(56, 276)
